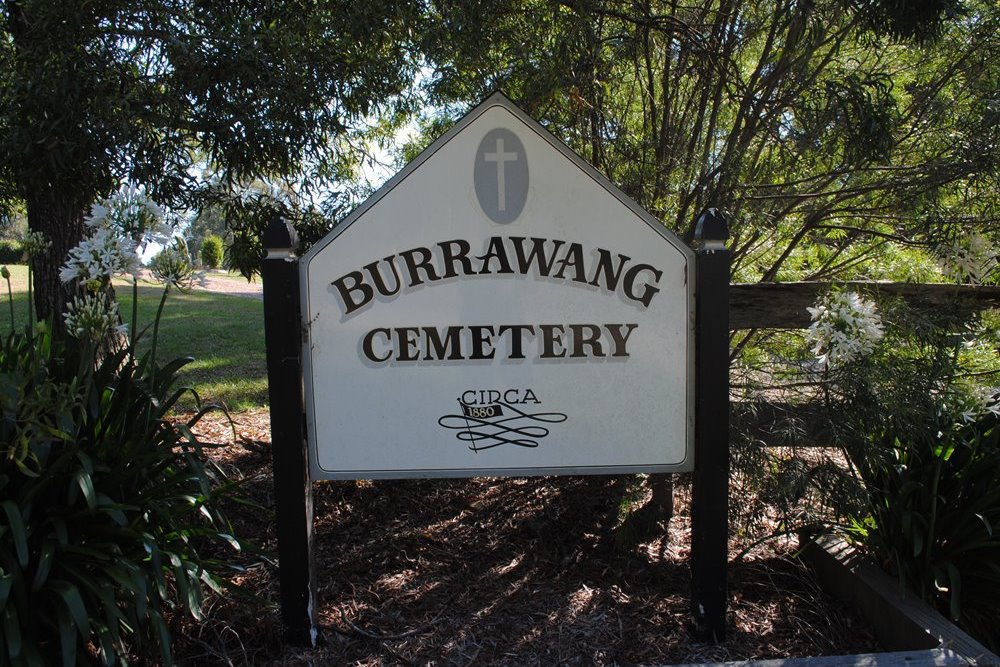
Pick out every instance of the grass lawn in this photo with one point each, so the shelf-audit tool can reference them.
(224, 334)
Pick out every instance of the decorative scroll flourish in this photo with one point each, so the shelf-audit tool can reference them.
(498, 424)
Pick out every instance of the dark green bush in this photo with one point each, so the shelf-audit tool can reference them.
(935, 521)
(110, 516)
(11, 252)
(211, 251)
(916, 483)
(928, 461)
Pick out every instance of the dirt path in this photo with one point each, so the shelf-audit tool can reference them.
(221, 283)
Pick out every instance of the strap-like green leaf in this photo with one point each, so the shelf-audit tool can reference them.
(6, 582)
(67, 637)
(74, 603)
(18, 533)
(163, 634)
(12, 632)
(112, 509)
(86, 484)
(44, 565)
(955, 597)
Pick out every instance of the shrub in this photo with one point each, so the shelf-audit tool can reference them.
(935, 521)
(110, 518)
(11, 252)
(211, 251)
(924, 445)
(916, 483)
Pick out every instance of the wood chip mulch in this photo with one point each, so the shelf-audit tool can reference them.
(486, 571)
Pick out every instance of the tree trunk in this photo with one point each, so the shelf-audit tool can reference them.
(662, 486)
(62, 223)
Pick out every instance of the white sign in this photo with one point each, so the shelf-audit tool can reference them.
(498, 308)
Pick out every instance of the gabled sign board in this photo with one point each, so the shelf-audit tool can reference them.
(498, 308)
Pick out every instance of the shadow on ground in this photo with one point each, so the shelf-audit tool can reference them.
(521, 571)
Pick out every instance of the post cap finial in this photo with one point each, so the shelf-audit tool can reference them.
(711, 226)
(280, 235)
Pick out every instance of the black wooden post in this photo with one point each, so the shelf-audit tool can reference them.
(710, 489)
(292, 487)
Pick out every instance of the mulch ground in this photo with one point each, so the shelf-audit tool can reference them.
(485, 571)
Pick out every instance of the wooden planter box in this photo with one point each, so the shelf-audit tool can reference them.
(913, 633)
(901, 622)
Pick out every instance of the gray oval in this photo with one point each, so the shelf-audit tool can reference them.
(501, 175)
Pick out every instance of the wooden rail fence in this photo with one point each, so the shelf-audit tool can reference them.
(783, 305)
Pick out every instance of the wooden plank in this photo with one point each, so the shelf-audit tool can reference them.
(931, 658)
(899, 621)
(710, 479)
(783, 305)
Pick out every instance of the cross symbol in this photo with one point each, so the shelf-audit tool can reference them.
(500, 157)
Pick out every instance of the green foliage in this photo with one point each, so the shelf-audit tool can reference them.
(935, 518)
(247, 217)
(852, 116)
(11, 252)
(211, 252)
(926, 451)
(111, 518)
(74, 75)
(821, 134)
(13, 223)
(910, 467)
(919, 20)
(95, 93)
(207, 221)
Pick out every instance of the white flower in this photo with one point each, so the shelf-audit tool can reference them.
(92, 317)
(132, 214)
(101, 256)
(98, 216)
(985, 401)
(845, 327)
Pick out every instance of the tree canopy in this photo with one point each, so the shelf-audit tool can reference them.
(835, 135)
(96, 93)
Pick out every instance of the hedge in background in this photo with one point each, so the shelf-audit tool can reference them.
(11, 252)
(211, 252)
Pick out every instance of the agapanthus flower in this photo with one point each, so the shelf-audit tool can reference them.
(97, 217)
(132, 214)
(845, 327)
(101, 256)
(173, 267)
(35, 243)
(92, 317)
(985, 401)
